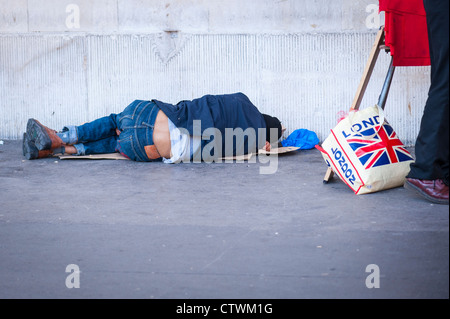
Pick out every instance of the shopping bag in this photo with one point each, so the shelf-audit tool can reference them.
(366, 153)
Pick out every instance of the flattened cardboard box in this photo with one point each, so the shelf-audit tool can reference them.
(118, 156)
(111, 156)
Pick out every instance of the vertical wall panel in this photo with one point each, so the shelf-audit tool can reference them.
(42, 77)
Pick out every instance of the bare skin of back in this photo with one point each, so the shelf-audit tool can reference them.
(161, 135)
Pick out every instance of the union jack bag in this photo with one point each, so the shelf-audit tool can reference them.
(367, 156)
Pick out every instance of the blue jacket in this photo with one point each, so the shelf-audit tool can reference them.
(217, 111)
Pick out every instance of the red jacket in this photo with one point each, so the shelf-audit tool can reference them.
(406, 32)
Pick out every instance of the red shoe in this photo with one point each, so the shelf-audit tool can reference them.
(434, 190)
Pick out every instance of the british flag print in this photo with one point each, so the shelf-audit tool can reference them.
(378, 146)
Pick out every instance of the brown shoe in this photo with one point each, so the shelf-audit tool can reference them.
(43, 137)
(30, 150)
(433, 190)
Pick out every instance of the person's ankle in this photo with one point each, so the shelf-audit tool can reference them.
(68, 135)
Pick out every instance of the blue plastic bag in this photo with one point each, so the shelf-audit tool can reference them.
(302, 138)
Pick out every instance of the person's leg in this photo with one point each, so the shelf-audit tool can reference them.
(429, 174)
(432, 144)
(96, 130)
(47, 139)
(102, 135)
(103, 146)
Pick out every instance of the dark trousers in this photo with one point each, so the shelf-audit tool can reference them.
(432, 145)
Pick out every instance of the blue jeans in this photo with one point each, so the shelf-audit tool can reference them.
(96, 137)
(136, 124)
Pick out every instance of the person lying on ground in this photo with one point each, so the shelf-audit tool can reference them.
(204, 129)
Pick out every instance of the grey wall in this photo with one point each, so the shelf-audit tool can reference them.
(68, 62)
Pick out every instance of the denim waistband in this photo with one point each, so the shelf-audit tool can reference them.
(137, 122)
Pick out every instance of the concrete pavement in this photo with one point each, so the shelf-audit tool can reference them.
(201, 231)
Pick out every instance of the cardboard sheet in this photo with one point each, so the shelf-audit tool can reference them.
(118, 156)
(279, 150)
(111, 156)
(245, 157)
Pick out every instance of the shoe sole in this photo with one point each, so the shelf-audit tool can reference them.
(416, 189)
(38, 135)
(29, 150)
